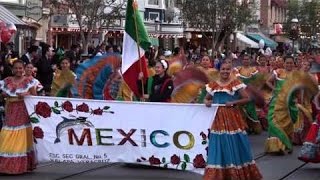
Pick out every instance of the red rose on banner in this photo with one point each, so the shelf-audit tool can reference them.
(43, 109)
(97, 111)
(175, 159)
(199, 162)
(154, 161)
(67, 106)
(83, 108)
(38, 132)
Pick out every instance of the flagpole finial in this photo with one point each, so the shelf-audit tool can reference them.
(135, 4)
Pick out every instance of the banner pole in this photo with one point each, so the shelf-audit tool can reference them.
(135, 7)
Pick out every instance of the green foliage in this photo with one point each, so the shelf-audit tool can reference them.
(186, 157)
(307, 14)
(221, 17)
(184, 166)
(34, 120)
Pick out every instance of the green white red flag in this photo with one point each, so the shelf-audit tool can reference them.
(135, 32)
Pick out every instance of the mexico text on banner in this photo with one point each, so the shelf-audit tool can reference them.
(85, 131)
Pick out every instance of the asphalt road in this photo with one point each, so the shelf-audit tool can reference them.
(272, 168)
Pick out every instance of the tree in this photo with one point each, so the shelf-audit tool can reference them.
(307, 14)
(309, 17)
(220, 17)
(91, 15)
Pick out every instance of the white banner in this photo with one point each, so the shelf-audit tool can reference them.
(86, 131)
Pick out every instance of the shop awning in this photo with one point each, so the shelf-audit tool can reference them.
(7, 16)
(154, 41)
(250, 43)
(257, 37)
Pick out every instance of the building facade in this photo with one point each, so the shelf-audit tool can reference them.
(273, 15)
(31, 14)
(161, 17)
(162, 20)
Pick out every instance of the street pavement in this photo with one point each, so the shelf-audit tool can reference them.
(286, 167)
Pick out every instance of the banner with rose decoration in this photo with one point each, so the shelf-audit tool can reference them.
(86, 131)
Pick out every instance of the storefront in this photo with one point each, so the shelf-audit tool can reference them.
(268, 42)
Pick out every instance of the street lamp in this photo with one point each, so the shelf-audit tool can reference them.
(294, 33)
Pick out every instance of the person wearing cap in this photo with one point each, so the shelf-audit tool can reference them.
(159, 87)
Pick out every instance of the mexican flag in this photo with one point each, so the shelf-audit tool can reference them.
(135, 34)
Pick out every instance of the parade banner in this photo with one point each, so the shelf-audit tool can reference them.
(166, 135)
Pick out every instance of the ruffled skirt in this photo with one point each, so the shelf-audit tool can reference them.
(229, 153)
(310, 151)
(16, 141)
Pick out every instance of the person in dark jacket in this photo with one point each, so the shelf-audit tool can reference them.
(73, 56)
(159, 87)
(45, 68)
(30, 55)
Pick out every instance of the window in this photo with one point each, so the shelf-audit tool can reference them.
(167, 3)
(178, 3)
(154, 16)
(153, 2)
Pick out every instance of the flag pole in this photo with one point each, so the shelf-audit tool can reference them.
(135, 6)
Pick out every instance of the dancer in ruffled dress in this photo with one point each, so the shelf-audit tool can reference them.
(229, 152)
(16, 140)
(280, 132)
(63, 80)
(247, 74)
(284, 107)
(310, 151)
(304, 121)
(212, 73)
(30, 72)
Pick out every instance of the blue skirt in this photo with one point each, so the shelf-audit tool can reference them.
(229, 153)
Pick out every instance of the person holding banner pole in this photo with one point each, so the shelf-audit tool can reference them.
(229, 151)
(158, 87)
(16, 141)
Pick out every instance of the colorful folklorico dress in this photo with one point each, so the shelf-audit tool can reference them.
(16, 140)
(264, 74)
(304, 121)
(62, 83)
(213, 75)
(229, 153)
(247, 75)
(310, 151)
(280, 126)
